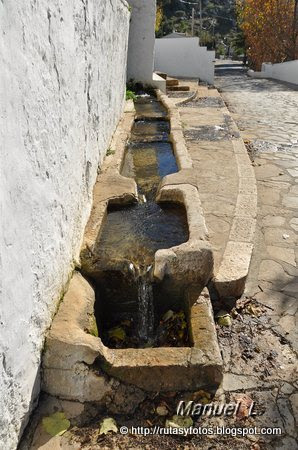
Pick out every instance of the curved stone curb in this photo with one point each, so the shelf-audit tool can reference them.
(186, 100)
(231, 276)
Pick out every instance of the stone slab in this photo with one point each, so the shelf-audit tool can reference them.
(231, 277)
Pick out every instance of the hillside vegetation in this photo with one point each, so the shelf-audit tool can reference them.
(218, 19)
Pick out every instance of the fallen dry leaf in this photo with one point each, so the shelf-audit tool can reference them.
(245, 404)
(56, 424)
(107, 425)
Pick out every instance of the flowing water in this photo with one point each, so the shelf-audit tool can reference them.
(132, 234)
(145, 310)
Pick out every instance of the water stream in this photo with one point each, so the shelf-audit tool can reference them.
(145, 310)
(132, 234)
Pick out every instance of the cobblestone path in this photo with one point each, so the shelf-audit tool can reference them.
(266, 113)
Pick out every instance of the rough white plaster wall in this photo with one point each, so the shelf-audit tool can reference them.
(287, 71)
(183, 57)
(141, 40)
(63, 73)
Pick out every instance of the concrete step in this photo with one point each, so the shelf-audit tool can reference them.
(178, 88)
(172, 82)
(162, 75)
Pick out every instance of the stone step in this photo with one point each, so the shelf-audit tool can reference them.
(172, 82)
(202, 91)
(178, 88)
(213, 93)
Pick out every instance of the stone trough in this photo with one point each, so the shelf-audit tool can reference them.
(76, 364)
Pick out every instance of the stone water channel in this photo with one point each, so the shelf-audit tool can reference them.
(128, 300)
(137, 311)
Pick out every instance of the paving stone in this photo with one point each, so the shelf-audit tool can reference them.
(287, 164)
(267, 112)
(284, 254)
(232, 382)
(286, 443)
(268, 196)
(287, 388)
(273, 221)
(268, 210)
(279, 184)
(294, 223)
(291, 287)
(282, 177)
(288, 323)
(279, 301)
(272, 271)
(287, 418)
(294, 190)
(215, 203)
(267, 171)
(290, 201)
(293, 172)
(227, 169)
(267, 401)
(294, 404)
(280, 236)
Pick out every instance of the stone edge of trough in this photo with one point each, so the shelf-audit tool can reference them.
(183, 181)
(103, 191)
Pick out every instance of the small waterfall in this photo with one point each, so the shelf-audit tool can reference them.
(145, 309)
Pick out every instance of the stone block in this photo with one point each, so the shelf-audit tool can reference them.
(233, 271)
(243, 229)
(246, 205)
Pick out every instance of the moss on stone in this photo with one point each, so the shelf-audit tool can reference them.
(93, 330)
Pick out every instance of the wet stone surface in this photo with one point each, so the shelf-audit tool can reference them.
(205, 102)
(150, 131)
(148, 107)
(180, 94)
(211, 133)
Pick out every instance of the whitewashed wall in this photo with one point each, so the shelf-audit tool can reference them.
(140, 58)
(141, 40)
(183, 57)
(287, 71)
(62, 85)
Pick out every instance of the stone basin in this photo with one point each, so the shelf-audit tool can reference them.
(77, 366)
